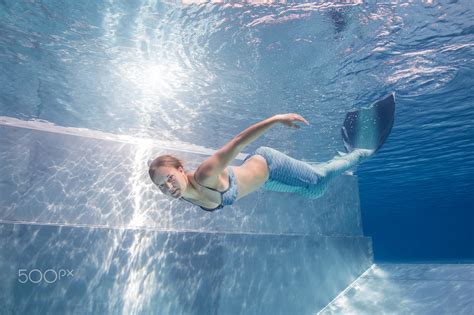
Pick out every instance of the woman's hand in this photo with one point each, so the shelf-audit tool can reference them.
(290, 119)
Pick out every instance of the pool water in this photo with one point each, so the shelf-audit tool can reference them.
(92, 90)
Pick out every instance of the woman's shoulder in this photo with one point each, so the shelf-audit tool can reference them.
(203, 177)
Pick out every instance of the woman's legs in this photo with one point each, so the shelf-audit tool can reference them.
(340, 164)
(287, 174)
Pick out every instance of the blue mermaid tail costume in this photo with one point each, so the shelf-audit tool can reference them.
(364, 131)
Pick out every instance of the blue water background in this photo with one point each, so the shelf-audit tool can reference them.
(200, 73)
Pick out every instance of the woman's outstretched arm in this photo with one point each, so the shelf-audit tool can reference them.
(210, 169)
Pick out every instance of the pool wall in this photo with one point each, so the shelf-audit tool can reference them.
(84, 206)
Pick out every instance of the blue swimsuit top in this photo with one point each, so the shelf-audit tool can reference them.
(228, 196)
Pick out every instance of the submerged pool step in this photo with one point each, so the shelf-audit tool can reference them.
(148, 272)
(52, 174)
(409, 289)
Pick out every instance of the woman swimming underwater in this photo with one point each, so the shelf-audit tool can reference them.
(215, 184)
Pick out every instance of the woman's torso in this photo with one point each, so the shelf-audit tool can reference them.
(248, 177)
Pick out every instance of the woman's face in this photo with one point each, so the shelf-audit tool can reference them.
(171, 181)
